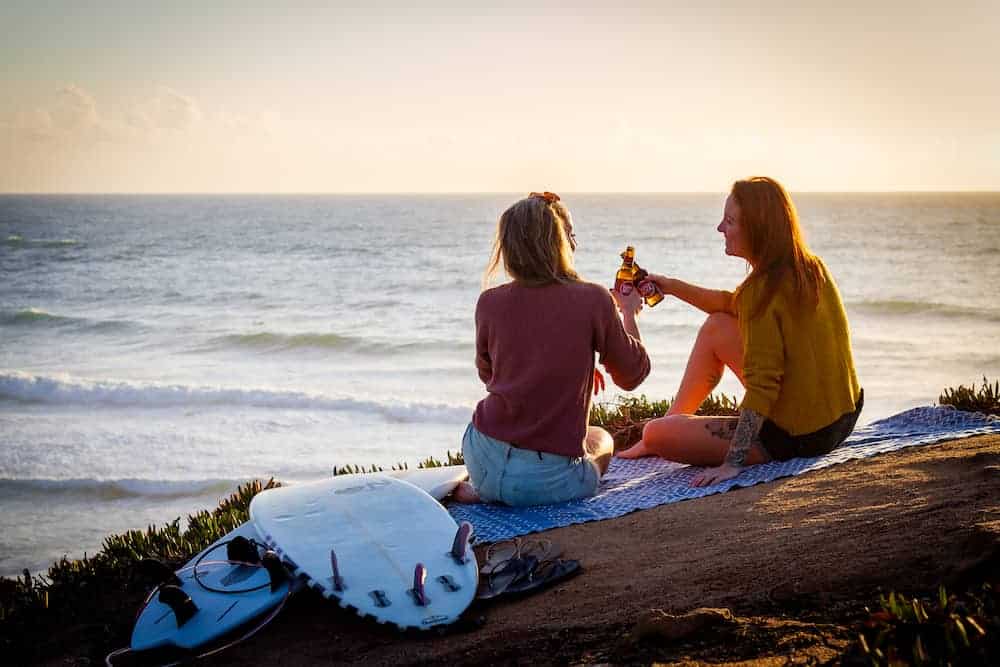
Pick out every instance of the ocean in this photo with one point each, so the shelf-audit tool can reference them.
(156, 351)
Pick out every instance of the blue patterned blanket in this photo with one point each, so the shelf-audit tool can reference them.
(631, 485)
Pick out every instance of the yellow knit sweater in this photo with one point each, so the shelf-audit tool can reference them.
(797, 366)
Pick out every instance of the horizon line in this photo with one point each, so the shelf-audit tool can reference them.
(239, 193)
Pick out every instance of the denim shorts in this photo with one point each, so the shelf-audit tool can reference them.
(502, 473)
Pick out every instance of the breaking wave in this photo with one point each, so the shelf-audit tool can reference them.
(112, 489)
(903, 308)
(67, 390)
(35, 317)
(266, 341)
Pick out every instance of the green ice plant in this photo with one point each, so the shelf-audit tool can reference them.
(986, 399)
(631, 409)
(947, 631)
(455, 459)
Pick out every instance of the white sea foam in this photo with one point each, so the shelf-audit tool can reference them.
(18, 240)
(68, 390)
(268, 341)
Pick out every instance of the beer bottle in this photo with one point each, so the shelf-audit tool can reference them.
(649, 290)
(625, 278)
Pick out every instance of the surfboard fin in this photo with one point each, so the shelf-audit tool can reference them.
(157, 570)
(242, 550)
(460, 547)
(275, 569)
(419, 592)
(338, 581)
(179, 602)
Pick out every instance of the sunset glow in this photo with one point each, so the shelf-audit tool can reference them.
(667, 96)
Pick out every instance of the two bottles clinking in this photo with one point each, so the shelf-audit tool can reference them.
(630, 276)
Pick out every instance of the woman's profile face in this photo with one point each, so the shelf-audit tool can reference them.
(732, 228)
(569, 232)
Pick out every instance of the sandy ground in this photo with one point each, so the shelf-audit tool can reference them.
(795, 561)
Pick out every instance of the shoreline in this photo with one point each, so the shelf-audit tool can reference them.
(796, 560)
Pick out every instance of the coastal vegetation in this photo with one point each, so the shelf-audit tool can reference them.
(986, 399)
(943, 630)
(92, 600)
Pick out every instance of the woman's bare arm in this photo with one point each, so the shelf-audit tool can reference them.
(707, 300)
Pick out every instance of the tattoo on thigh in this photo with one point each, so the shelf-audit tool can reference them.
(722, 428)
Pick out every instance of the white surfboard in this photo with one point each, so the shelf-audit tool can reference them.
(378, 545)
(439, 482)
(210, 597)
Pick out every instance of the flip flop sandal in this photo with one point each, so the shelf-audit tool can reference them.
(543, 575)
(504, 575)
(499, 553)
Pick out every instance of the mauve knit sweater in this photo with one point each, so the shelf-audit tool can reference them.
(535, 352)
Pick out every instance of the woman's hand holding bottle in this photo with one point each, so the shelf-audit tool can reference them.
(661, 282)
(628, 304)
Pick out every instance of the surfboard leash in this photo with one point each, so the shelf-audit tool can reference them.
(237, 555)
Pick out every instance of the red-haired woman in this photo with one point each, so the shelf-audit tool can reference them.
(783, 333)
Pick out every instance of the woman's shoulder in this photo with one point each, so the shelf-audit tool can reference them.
(584, 289)
(498, 292)
(576, 291)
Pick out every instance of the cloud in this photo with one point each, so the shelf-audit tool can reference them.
(173, 111)
(75, 109)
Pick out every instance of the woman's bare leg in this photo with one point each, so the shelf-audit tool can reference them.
(600, 447)
(700, 441)
(718, 345)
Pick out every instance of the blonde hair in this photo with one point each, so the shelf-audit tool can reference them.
(533, 242)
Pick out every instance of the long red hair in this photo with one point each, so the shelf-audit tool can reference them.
(777, 247)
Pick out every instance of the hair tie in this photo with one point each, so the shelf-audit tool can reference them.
(549, 197)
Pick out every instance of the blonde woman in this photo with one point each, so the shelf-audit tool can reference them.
(529, 442)
(783, 332)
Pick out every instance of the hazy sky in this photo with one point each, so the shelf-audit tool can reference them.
(660, 96)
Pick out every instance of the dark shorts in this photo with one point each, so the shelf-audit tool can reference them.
(783, 446)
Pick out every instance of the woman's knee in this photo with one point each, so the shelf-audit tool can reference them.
(720, 333)
(719, 326)
(598, 441)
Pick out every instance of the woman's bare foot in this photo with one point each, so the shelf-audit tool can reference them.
(636, 451)
(464, 493)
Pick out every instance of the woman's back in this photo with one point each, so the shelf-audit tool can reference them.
(535, 352)
(798, 365)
